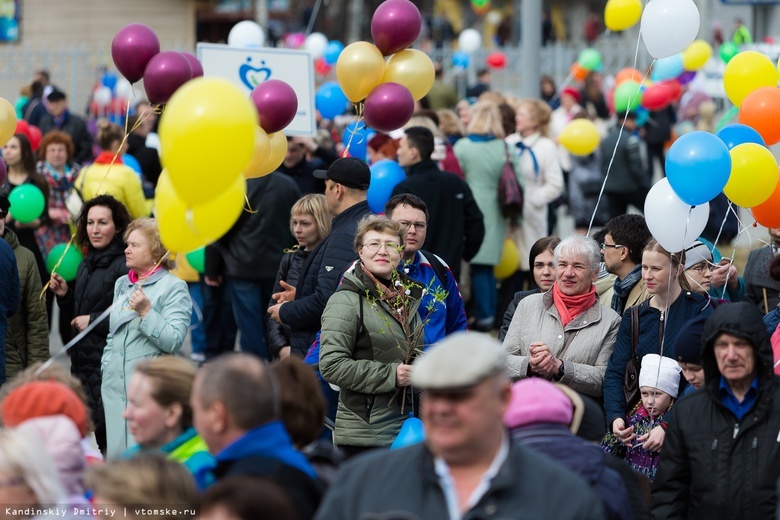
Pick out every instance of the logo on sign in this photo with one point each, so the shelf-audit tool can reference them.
(252, 76)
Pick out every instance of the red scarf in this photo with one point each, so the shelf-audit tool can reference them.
(569, 307)
(133, 276)
(106, 157)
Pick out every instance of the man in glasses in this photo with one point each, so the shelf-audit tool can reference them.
(625, 238)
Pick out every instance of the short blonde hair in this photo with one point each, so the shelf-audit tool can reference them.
(449, 123)
(315, 205)
(380, 224)
(425, 122)
(149, 229)
(540, 112)
(486, 120)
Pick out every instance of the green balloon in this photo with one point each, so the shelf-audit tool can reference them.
(627, 96)
(27, 203)
(590, 59)
(727, 51)
(197, 259)
(70, 262)
(480, 3)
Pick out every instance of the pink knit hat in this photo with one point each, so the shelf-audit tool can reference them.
(536, 400)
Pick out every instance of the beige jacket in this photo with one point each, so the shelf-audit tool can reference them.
(585, 359)
(637, 295)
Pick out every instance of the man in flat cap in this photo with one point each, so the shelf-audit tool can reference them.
(467, 467)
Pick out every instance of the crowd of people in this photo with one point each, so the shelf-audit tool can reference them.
(627, 381)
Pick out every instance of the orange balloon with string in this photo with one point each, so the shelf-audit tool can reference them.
(768, 213)
(628, 74)
(578, 72)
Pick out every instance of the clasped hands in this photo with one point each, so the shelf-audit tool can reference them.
(541, 362)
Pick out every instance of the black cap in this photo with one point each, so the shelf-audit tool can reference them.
(351, 172)
(56, 95)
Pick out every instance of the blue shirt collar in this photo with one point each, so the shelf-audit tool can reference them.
(729, 400)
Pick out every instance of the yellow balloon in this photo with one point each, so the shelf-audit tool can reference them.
(413, 69)
(359, 69)
(207, 137)
(747, 72)
(260, 155)
(510, 260)
(184, 228)
(7, 121)
(278, 150)
(696, 55)
(619, 15)
(753, 175)
(580, 137)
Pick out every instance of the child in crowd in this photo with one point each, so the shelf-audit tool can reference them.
(659, 380)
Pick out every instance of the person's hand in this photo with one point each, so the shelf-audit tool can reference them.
(403, 375)
(284, 352)
(140, 303)
(308, 143)
(213, 281)
(80, 322)
(58, 285)
(541, 361)
(273, 310)
(623, 434)
(35, 224)
(287, 295)
(724, 274)
(654, 440)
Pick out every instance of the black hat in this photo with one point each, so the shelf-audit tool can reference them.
(351, 172)
(687, 344)
(56, 95)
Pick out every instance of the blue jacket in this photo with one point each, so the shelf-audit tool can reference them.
(686, 307)
(10, 294)
(772, 320)
(448, 316)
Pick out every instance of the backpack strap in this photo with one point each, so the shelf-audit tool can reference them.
(437, 265)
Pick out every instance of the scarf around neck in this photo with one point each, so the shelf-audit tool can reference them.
(134, 277)
(569, 307)
(623, 288)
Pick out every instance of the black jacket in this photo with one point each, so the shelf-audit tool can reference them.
(301, 173)
(712, 465)
(455, 225)
(278, 335)
(254, 246)
(319, 278)
(92, 293)
(510, 311)
(148, 158)
(76, 128)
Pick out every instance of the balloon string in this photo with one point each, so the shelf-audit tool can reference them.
(248, 207)
(725, 118)
(563, 85)
(54, 269)
(357, 119)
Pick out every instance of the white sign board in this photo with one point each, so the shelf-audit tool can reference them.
(247, 68)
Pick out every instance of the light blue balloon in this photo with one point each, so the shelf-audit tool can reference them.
(385, 174)
(735, 135)
(698, 167)
(359, 141)
(332, 52)
(411, 432)
(330, 100)
(667, 68)
(133, 163)
(642, 115)
(460, 59)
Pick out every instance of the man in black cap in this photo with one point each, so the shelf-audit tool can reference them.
(300, 307)
(60, 118)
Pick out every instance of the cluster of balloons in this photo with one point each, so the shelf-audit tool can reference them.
(330, 101)
(620, 15)
(588, 61)
(389, 89)
(325, 57)
(110, 96)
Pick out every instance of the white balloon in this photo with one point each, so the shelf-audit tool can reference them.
(469, 40)
(494, 17)
(316, 43)
(123, 89)
(673, 223)
(246, 34)
(669, 26)
(102, 96)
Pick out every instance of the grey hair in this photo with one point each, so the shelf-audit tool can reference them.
(580, 245)
(21, 456)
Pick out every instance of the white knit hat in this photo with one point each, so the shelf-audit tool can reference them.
(696, 253)
(668, 377)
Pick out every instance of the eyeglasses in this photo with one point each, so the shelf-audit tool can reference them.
(390, 247)
(415, 225)
(702, 267)
(605, 246)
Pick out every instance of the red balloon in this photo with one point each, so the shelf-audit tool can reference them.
(165, 73)
(395, 26)
(496, 60)
(195, 65)
(655, 97)
(388, 107)
(276, 104)
(761, 110)
(132, 48)
(768, 213)
(322, 67)
(674, 89)
(35, 136)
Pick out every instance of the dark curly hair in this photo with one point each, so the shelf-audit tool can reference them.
(119, 213)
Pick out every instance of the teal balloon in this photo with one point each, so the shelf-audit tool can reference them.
(698, 167)
(27, 203)
(411, 432)
(668, 68)
(627, 96)
(197, 259)
(69, 265)
(589, 59)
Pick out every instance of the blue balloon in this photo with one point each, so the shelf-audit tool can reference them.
(132, 163)
(385, 174)
(359, 141)
(735, 135)
(332, 52)
(411, 432)
(330, 100)
(698, 167)
(109, 80)
(460, 59)
(667, 68)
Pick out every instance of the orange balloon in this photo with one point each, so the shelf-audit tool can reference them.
(578, 72)
(628, 74)
(761, 110)
(768, 213)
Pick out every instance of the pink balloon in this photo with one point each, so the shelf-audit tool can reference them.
(133, 46)
(388, 107)
(197, 68)
(276, 104)
(395, 26)
(166, 72)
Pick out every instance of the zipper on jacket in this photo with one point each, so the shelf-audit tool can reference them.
(714, 444)
(755, 443)
(736, 430)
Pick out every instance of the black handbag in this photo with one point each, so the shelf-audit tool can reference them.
(631, 379)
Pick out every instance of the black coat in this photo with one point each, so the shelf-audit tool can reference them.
(319, 278)
(510, 311)
(76, 128)
(148, 158)
(455, 225)
(278, 335)
(92, 293)
(301, 173)
(712, 465)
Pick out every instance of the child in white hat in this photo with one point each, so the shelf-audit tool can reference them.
(659, 381)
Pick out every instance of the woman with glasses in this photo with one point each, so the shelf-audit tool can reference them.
(370, 335)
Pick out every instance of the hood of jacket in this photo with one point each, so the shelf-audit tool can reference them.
(11, 238)
(742, 320)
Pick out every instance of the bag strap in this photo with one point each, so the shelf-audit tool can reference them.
(438, 267)
(634, 329)
(506, 152)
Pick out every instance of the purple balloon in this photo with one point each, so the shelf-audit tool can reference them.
(133, 46)
(165, 73)
(388, 107)
(686, 77)
(197, 68)
(395, 26)
(276, 104)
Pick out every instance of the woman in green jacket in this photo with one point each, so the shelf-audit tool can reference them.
(370, 335)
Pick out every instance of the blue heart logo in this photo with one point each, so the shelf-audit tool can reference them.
(253, 76)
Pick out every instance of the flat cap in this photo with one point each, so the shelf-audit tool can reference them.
(459, 361)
